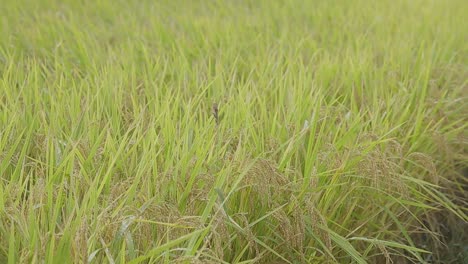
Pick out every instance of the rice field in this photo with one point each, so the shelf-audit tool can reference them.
(236, 131)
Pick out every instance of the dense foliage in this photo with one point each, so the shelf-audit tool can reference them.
(233, 131)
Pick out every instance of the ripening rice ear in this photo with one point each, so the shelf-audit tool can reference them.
(215, 112)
